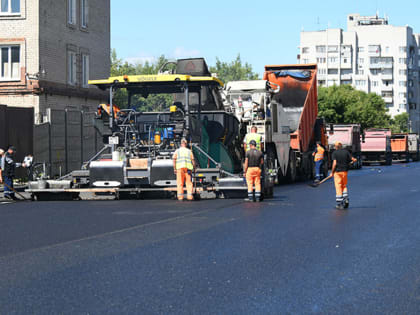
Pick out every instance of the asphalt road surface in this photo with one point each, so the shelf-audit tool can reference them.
(292, 254)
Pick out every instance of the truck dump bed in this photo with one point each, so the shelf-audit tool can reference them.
(298, 95)
(376, 146)
(399, 143)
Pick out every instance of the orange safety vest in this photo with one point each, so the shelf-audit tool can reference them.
(319, 155)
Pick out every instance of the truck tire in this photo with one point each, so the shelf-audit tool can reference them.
(291, 169)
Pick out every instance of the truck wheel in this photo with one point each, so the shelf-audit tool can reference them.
(291, 169)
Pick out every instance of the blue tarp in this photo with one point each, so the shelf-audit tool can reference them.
(293, 74)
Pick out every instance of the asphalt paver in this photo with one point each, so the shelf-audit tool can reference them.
(293, 254)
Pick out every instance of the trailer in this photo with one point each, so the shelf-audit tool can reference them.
(413, 146)
(349, 136)
(376, 146)
(399, 147)
(137, 157)
(297, 95)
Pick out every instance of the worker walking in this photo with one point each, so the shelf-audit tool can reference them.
(255, 137)
(319, 160)
(341, 163)
(8, 173)
(254, 161)
(184, 164)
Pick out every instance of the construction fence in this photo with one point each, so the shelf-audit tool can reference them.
(66, 141)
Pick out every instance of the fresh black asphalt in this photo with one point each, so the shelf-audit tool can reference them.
(291, 254)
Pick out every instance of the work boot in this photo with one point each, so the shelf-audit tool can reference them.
(248, 200)
(339, 207)
(346, 203)
(7, 196)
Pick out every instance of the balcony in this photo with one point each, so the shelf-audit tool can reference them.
(381, 65)
(388, 99)
(346, 77)
(388, 88)
(387, 77)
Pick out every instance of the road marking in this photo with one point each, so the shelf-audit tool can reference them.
(5, 202)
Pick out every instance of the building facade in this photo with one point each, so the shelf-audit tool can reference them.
(372, 56)
(49, 49)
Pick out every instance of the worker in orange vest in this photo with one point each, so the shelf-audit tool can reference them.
(341, 163)
(254, 161)
(184, 164)
(319, 160)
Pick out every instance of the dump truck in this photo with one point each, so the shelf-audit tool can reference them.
(137, 157)
(399, 147)
(413, 146)
(296, 87)
(349, 136)
(252, 103)
(376, 146)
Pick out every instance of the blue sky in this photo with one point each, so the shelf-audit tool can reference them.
(263, 32)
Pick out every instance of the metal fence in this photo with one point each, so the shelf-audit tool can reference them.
(16, 129)
(68, 139)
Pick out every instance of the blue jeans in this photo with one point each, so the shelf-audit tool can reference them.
(318, 166)
(8, 181)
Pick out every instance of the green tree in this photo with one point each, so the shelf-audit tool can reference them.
(138, 102)
(345, 104)
(234, 70)
(400, 123)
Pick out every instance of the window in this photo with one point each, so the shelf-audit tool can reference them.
(361, 49)
(322, 71)
(71, 67)
(71, 12)
(305, 50)
(402, 95)
(403, 49)
(305, 61)
(346, 82)
(403, 72)
(332, 59)
(321, 60)
(402, 83)
(320, 49)
(361, 61)
(361, 71)
(85, 70)
(402, 60)
(332, 71)
(10, 63)
(9, 7)
(375, 83)
(387, 49)
(360, 82)
(84, 13)
(410, 83)
(375, 71)
(387, 71)
(402, 106)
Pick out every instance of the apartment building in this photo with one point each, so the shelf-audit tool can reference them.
(49, 49)
(372, 56)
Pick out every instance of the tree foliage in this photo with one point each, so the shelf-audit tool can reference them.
(138, 102)
(400, 123)
(345, 104)
(234, 70)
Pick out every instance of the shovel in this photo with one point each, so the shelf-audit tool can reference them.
(17, 193)
(321, 182)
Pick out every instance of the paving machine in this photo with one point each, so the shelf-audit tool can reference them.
(137, 157)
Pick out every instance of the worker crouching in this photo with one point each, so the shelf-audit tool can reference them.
(252, 168)
(184, 165)
(341, 163)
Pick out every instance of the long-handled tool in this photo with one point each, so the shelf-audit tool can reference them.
(321, 182)
(14, 190)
